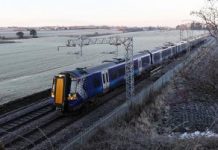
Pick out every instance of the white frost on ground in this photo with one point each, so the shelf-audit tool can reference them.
(28, 67)
(196, 134)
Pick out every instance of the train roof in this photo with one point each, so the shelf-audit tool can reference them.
(79, 72)
(114, 62)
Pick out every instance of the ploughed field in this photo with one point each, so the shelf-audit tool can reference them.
(28, 66)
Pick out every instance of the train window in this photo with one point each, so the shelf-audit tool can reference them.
(116, 72)
(157, 57)
(122, 71)
(112, 74)
(174, 50)
(145, 61)
(136, 64)
(73, 86)
(96, 82)
(166, 53)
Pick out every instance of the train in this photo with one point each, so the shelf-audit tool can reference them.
(73, 88)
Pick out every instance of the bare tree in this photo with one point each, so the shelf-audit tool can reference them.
(20, 34)
(209, 15)
(33, 32)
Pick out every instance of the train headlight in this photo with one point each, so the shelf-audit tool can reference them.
(72, 96)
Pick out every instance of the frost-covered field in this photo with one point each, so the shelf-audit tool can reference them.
(28, 67)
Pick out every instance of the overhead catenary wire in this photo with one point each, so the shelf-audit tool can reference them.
(127, 42)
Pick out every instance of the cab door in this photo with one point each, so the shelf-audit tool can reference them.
(62, 89)
(105, 80)
(59, 94)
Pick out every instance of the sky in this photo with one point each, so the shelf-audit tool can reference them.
(97, 12)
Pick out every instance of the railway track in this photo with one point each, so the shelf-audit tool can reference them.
(40, 133)
(16, 119)
(39, 127)
(71, 131)
(26, 128)
(13, 124)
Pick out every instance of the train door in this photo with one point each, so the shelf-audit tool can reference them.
(105, 80)
(140, 65)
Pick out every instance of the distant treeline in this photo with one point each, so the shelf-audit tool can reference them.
(191, 26)
(59, 28)
(138, 29)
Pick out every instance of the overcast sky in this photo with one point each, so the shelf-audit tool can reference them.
(97, 12)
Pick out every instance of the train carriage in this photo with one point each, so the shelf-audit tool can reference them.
(73, 88)
(166, 53)
(156, 57)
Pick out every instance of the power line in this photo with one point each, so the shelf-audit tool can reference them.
(127, 42)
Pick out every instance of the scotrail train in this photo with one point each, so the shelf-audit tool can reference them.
(72, 88)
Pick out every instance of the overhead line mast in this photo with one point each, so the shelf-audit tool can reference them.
(127, 42)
